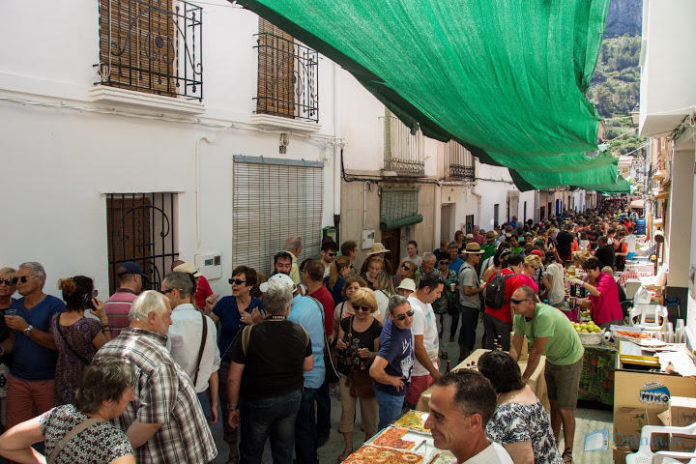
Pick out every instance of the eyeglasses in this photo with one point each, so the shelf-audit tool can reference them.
(514, 301)
(165, 292)
(236, 281)
(367, 309)
(403, 316)
(12, 281)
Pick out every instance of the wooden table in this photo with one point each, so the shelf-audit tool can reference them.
(536, 382)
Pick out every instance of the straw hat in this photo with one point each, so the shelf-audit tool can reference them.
(377, 248)
(473, 248)
(491, 234)
(188, 268)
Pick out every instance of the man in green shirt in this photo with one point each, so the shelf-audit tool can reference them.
(488, 247)
(551, 334)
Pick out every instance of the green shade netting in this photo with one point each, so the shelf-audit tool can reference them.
(603, 179)
(506, 78)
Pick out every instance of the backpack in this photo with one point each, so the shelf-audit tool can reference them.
(494, 295)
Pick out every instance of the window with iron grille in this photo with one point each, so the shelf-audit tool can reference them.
(469, 224)
(288, 74)
(275, 199)
(141, 227)
(403, 150)
(460, 162)
(151, 46)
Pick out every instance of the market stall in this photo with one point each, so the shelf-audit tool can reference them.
(536, 381)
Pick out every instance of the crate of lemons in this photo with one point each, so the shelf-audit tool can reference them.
(589, 332)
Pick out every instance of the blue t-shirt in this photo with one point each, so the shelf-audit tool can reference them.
(305, 311)
(336, 290)
(230, 321)
(396, 346)
(456, 264)
(33, 362)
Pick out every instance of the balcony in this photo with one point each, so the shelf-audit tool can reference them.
(151, 47)
(403, 151)
(288, 73)
(460, 162)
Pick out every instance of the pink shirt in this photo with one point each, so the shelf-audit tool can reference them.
(606, 306)
(116, 309)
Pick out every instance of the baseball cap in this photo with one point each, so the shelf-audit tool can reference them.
(129, 267)
(278, 280)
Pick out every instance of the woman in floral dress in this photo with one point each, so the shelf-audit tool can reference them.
(77, 337)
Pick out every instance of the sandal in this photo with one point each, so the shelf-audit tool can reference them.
(567, 455)
(344, 456)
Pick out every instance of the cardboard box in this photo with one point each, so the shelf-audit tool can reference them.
(628, 423)
(681, 412)
(620, 453)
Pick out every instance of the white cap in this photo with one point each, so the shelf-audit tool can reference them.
(278, 280)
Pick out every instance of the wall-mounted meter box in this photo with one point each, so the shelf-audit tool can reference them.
(209, 264)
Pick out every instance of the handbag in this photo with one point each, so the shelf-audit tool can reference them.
(331, 375)
(361, 385)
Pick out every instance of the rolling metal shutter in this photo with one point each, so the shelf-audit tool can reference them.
(273, 200)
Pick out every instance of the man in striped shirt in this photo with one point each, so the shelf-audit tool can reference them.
(165, 422)
(130, 281)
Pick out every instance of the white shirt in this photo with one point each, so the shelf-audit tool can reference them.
(557, 292)
(382, 303)
(424, 324)
(494, 454)
(184, 343)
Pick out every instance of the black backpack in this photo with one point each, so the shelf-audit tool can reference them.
(494, 295)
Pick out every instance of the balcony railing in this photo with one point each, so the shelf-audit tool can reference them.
(403, 150)
(288, 73)
(460, 162)
(150, 46)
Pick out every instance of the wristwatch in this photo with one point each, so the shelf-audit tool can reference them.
(28, 330)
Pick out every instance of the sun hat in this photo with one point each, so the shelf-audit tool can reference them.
(376, 248)
(278, 280)
(407, 284)
(473, 248)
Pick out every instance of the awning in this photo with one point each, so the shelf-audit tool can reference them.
(604, 179)
(507, 79)
(399, 208)
(638, 204)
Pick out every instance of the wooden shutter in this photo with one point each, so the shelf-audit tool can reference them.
(273, 200)
(275, 86)
(137, 45)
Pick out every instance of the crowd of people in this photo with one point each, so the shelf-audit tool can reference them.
(148, 372)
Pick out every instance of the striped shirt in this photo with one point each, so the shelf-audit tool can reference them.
(117, 308)
(163, 394)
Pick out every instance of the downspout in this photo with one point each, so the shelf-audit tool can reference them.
(337, 151)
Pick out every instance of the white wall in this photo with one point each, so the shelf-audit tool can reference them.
(495, 191)
(62, 153)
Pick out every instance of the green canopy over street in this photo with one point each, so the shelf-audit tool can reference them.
(507, 79)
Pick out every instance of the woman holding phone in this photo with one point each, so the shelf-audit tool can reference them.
(77, 337)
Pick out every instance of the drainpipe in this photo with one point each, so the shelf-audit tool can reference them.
(337, 149)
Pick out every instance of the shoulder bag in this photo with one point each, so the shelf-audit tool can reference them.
(200, 350)
(69, 436)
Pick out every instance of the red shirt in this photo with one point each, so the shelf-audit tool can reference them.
(511, 284)
(324, 297)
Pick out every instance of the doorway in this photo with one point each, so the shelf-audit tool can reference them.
(391, 239)
(446, 229)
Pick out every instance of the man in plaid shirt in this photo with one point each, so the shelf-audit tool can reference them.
(165, 423)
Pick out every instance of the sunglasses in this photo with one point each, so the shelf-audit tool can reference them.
(12, 281)
(367, 309)
(331, 254)
(167, 291)
(236, 281)
(403, 316)
(514, 301)
(25, 279)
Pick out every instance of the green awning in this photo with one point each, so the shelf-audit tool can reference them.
(603, 179)
(505, 78)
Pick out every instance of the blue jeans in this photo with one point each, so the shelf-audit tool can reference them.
(389, 408)
(323, 410)
(272, 418)
(306, 441)
(205, 405)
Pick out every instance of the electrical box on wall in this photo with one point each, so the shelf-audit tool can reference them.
(368, 238)
(209, 264)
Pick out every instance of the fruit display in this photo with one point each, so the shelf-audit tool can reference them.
(586, 327)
